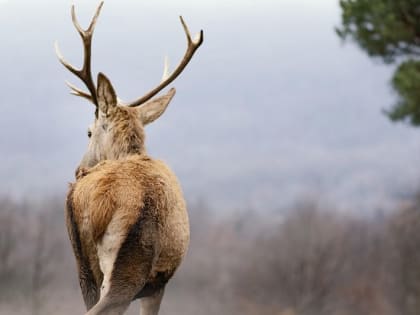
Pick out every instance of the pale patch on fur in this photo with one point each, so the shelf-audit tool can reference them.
(108, 251)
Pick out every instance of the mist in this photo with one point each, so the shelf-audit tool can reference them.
(273, 104)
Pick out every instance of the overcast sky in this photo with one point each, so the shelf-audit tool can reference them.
(273, 107)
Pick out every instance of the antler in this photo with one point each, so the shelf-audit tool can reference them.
(168, 78)
(84, 73)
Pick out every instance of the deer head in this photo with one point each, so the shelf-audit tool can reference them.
(117, 130)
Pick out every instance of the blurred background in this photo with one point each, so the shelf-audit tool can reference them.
(292, 133)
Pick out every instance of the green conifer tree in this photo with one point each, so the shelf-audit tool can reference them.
(389, 30)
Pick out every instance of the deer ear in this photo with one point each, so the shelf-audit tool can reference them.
(107, 99)
(152, 110)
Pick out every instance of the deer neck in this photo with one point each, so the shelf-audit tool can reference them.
(126, 143)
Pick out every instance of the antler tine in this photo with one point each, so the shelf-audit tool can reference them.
(191, 49)
(91, 28)
(84, 73)
(78, 92)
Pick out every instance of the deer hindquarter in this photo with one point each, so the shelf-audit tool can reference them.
(129, 229)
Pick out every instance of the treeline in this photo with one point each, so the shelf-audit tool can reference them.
(308, 260)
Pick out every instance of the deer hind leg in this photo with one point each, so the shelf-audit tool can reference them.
(88, 283)
(126, 261)
(150, 305)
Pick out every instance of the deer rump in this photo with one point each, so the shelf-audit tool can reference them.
(128, 226)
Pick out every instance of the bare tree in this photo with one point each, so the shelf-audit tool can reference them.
(9, 238)
(45, 253)
(404, 230)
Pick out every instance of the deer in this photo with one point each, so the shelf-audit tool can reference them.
(125, 212)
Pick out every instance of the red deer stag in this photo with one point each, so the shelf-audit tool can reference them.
(125, 214)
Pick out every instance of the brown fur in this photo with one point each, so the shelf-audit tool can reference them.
(121, 185)
(88, 284)
(129, 135)
(118, 189)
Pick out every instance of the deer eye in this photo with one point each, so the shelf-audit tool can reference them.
(89, 133)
